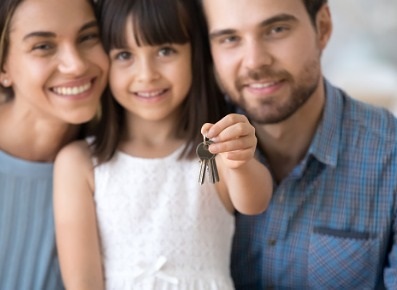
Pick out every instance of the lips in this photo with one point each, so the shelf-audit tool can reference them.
(72, 90)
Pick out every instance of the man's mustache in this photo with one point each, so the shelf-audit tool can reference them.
(262, 73)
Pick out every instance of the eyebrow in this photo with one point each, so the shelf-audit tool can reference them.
(47, 34)
(267, 22)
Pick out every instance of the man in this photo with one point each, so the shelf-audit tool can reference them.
(332, 220)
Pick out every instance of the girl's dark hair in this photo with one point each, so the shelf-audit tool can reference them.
(158, 22)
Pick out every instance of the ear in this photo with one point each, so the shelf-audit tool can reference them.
(324, 25)
(5, 78)
(5, 81)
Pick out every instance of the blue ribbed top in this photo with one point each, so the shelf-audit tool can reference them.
(28, 258)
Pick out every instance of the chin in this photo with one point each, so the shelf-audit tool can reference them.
(82, 117)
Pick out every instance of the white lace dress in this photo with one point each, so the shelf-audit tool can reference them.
(160, 229)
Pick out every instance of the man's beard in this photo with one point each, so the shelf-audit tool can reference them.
(269, 111)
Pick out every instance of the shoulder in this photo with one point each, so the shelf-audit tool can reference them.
(372, 121)
(73, 169)
(78, 150)
(74, 159)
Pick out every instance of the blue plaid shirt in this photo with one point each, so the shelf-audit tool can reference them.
(331, 223)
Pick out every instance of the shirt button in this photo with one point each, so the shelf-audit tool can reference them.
(272, 242)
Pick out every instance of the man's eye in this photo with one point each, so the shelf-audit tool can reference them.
(278, 29)
(230, 39)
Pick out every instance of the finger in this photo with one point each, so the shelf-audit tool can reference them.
(226, 122)
(236, 131)
(240, 155)
(243, 143)
(205, 128)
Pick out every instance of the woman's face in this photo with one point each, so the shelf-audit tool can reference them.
(56, 65)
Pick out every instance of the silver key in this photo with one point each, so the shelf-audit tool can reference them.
(207, 162)
(214, 170)
(205, 156)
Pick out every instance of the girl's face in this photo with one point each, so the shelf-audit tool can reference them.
(150, 82)
(56, 64)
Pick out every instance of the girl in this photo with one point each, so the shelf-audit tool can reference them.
(136, 187)
(52, 74)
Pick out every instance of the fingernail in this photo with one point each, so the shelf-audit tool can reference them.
(215, 139)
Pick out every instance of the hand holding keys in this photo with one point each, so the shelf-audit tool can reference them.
(234, 140)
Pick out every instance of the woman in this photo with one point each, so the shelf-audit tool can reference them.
(53, 72)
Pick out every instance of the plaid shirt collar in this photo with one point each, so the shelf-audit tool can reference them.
(325, 143)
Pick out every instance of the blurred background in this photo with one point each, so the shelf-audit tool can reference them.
(361, 56)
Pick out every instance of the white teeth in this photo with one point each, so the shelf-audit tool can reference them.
(149, 95)
(72, 91)
(261, 86)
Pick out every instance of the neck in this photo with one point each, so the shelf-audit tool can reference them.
(33, 139)
(150, 139)
(285, 144)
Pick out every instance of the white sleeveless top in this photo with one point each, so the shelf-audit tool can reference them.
(160, 229)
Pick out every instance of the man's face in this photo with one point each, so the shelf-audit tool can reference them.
(266, 54)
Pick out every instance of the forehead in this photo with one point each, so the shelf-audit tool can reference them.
(58, 16)
(238, 14)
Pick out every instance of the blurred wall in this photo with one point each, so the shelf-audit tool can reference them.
(362, 54)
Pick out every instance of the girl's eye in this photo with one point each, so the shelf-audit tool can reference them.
(166, 51)
(123, 55)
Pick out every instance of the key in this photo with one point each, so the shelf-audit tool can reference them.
(208, 162)
(205, 156)
(214, 170)
(212, 164)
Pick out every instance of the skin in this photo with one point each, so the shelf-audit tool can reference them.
(57, 73)
(267, 57)
(150, 82)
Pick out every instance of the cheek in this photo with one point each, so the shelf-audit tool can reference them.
(293, 56)
(101, 59)
(30, 76)
(117, 80)
(226, 64)
(187, 79)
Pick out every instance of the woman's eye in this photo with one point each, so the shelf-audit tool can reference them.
(43, 47)
(90, 37)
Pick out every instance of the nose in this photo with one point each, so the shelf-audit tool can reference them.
(256, 55)
(72, 61)
(147, 70)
